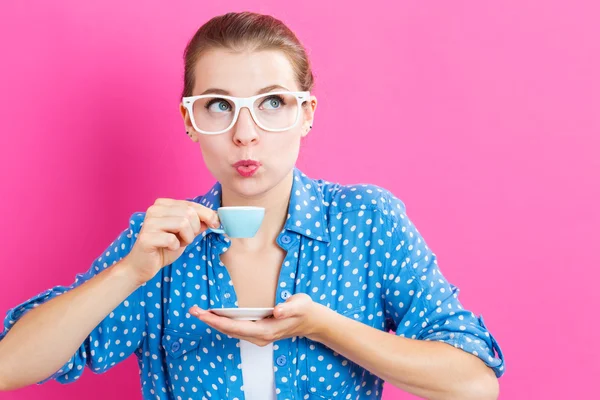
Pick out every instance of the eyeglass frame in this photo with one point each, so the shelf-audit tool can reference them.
(241, 102)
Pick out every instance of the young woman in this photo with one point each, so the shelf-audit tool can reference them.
(342, 265)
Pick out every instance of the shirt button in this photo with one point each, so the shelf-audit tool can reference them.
(286, 239)
(285, 294)
(175, 346)
(281, 361)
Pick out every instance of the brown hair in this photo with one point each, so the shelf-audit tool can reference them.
(247, 31)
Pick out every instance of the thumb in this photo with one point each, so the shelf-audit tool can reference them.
(293, 307)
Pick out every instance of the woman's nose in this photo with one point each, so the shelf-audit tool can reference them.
(245, 130)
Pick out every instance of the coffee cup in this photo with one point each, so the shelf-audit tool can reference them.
(239, 221)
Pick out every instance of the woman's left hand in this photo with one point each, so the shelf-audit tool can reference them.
(298, 316)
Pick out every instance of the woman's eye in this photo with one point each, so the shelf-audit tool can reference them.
(218, 105)
(272, 103)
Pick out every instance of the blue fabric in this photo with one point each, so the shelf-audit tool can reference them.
(351, 248)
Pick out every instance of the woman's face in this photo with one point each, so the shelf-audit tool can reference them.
(243, 75)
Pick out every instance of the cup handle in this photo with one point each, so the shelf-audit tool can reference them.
(217, 230)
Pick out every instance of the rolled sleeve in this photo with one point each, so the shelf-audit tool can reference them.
(117, 336)
(421, 304)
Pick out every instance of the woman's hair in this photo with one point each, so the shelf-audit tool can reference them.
(247, 31)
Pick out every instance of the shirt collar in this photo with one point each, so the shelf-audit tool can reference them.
(306, 211)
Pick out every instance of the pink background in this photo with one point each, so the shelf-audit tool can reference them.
(482, 116)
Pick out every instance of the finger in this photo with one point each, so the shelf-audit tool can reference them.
(207, 215)
(165, 201)
(195, 222)
(294, 306)
(178, 225)
(178, 210)
(280, 312)
(160, 240)
(228, 325)
(166, 207)
(165, 210)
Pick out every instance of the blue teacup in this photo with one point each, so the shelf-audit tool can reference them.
(240, 221)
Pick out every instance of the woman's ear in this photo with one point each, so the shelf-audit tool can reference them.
(309, 113)
(187, 122)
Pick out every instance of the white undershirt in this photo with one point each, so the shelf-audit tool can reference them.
(257, 371)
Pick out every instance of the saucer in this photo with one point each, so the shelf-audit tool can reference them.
(243, 314)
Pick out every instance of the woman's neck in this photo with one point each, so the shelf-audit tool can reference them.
(276, 204)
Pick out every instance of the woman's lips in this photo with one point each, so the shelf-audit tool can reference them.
(247, 168)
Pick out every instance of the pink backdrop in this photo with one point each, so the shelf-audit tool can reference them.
(482, 116)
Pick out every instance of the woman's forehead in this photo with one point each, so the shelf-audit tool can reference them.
(243, 73)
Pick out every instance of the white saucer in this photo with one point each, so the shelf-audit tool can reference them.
(243, 314)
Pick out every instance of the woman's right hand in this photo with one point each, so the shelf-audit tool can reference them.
(169, 226)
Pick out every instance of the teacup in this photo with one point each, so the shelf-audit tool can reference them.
(239, 221)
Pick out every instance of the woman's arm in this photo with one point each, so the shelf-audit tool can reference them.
(429, 369)
(99, 320)
(45, 338)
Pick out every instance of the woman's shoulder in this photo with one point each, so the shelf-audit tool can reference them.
(342, 198)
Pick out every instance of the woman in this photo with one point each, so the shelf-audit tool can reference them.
(342, 265)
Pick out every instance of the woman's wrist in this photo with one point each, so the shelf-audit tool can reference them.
(321, 319)
(125, 272)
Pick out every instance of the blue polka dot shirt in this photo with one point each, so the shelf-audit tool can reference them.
(351, 248)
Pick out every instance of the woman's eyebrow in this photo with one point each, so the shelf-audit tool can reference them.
(227, 93)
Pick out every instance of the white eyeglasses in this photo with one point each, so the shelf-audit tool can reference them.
(213, 114)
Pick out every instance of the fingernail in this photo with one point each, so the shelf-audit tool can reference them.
(215, 223)
(196, 311)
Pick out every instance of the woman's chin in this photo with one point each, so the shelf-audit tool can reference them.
(246, 186)
(252, 187)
